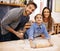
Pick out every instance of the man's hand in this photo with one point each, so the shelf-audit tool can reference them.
(20, 35)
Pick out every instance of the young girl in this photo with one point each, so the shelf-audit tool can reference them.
(47, 19)
(37, 29)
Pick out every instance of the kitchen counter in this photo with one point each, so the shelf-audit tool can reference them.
(23, 45)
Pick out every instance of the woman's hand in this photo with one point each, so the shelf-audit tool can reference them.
(51, 32)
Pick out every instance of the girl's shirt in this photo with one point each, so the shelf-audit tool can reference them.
(36, 30)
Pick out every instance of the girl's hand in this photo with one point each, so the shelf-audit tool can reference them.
(33, 46)
(51, 44)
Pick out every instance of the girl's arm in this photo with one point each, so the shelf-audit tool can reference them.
(49, 40)
(30, 33)
(32, 44)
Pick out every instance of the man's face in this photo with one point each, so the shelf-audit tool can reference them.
(29, 9)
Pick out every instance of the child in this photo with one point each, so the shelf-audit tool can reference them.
(37, 29)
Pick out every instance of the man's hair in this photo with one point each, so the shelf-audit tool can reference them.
(32, 4)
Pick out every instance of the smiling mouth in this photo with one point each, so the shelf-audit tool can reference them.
(29, 12)
(39, 20)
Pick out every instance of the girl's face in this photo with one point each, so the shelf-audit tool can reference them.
(39, 19)
(46, 13)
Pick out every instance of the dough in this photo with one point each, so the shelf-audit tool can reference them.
(42, 43)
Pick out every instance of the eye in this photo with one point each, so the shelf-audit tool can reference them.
(32, 9)
(44, 11)
(40, 17)
(29, 7)
(47, 11)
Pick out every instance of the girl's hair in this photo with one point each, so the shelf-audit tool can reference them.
(36, 16)
(50, 20)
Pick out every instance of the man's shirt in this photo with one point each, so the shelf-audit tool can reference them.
(23, 21)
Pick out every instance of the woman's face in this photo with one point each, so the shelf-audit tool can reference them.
(46, 13)
(38, 19)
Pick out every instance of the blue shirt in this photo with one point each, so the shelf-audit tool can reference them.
(36, 30)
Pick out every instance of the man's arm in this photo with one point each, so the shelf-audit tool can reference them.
(8, 19)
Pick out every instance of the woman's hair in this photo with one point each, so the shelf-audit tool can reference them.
(36, 16)
(50, 20)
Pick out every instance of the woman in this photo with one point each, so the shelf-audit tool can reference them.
(46, 13)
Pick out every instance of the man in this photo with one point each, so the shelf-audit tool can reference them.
(15, 20)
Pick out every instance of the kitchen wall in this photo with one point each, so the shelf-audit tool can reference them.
(39, 8)
(55, 15)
